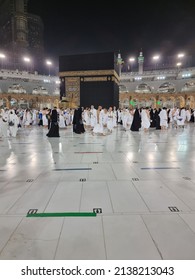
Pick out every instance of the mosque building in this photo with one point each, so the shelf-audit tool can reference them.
(20, 85)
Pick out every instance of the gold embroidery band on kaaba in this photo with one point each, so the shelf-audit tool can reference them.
(90, 73)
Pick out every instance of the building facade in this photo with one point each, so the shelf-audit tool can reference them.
(153, 88)
(28, 90)
(158, 88)
(21, 33)
(166, 87)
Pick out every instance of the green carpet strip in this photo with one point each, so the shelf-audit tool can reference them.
(66, 214)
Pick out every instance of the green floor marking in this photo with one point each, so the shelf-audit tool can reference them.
(66, 214)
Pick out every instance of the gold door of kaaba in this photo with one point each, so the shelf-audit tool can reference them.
(72, 89)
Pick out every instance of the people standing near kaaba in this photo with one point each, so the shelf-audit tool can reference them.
(40, 117)
(4, 122)
(168, 118)
(49, 118)
(157, 118)
(14, 119)
(192, 111)
(125, 119)
(136, 123)
(188, 115)
(173, 117)
(44, 117)
(78, 126)
(119, 116)
(99, 128)
(93, 116)
(114, 117)
(86, 117)
(152, 122)
(181, 118)
(110, 120)
(62, 123)
(54, 127)
(105, 117)
(145, 119)
(163, 118)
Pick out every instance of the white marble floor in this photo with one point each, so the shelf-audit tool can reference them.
(144, 184)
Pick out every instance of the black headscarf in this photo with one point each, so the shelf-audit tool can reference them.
(54, 115)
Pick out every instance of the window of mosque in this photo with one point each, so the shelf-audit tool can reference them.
(167, 88)
(188, 86)
(143, 88)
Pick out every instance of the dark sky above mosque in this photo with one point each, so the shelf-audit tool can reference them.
(166, 27)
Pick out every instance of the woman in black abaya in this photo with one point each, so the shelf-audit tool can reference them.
(136, 123)
(78, 126)
(54, 127)
(157, 118)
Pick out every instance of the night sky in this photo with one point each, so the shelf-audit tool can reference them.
(166, 27)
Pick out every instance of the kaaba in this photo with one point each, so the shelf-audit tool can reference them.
(89, 79)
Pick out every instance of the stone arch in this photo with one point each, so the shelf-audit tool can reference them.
(4, 102)
(46, 103)
(23, 103)
(190, 102)
(56, 103)
(49, 103)
(151, 102)
(142, 102)
(179, 101)
(31, 102)
(124, 102)
(161, 101)
(169, 102)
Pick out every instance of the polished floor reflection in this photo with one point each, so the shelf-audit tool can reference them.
(143, 182)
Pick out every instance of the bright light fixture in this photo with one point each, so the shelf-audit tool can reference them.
(156, 57)
(27, 59)
(48, 62)
(180, 55)
(2, 55)
(131, 59)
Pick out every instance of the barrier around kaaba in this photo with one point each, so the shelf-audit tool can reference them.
(89, 79)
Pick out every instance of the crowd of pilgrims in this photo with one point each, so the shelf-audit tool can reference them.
(98, 121)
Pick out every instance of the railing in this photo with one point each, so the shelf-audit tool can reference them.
(159, 72)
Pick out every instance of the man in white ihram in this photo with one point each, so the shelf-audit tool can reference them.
(93, 116)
